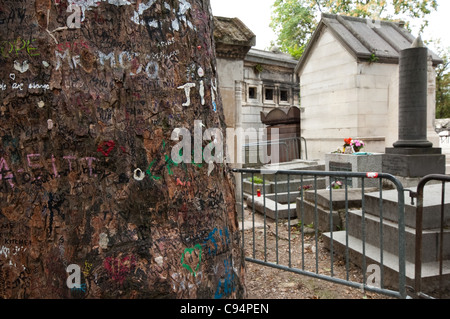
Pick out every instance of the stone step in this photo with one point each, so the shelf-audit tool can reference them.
(274, 209)
(295, 165)
(284, 177)
(430, 238)
(430, 271)
(281, 186)
(431, 204)
(322, 197)
(306, 212)
(281, 198)
(339, 196)
(250, 189)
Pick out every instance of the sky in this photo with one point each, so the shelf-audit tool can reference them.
(255, 14)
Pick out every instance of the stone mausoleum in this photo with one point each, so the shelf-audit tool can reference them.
(349, 84)
(251, 81)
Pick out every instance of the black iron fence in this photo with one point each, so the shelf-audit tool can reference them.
(350, 225)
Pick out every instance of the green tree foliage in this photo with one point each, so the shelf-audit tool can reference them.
(443, 83)
(294, 21)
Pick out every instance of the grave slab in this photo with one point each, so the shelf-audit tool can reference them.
(307, 210)
(431, 206)
(390, 265)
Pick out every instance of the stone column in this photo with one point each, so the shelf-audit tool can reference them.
(413, 156)
(413, 93)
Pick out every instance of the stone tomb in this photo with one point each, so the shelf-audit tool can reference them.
(355, 164)
(430, 248)
(280, 195)
(306, 209)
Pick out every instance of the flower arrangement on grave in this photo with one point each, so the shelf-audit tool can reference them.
(347, 148)
(347, 142)
(306, 187)
(352, 146)
(336, 185)
(358, 145)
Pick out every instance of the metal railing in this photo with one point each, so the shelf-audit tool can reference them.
(419, 234)
(297, 181)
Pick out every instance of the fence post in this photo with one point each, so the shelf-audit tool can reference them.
(419, 229)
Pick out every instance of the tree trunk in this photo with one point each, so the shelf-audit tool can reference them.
(93, 205)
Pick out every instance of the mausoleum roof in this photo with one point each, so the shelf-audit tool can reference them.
(232, 37)
(273, 57)
(364, 37)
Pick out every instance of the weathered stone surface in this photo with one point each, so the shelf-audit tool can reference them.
(413, 92)
(85, 153)
(233, 38)
(355, 164)
(413, 155)
(281, 116)
(398, 162)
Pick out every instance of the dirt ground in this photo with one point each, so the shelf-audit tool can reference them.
(269, 283)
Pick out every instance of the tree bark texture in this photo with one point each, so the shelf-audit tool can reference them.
(87, 178)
